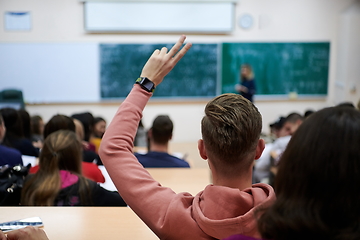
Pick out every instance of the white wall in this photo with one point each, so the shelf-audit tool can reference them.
(61, 21)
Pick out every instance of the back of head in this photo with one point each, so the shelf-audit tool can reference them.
(87, 119)
(346, 104)
(12, 123)
(294, 117)
(58, 122)
(25, 120)
(37, 125)
(318, 179)
(162, 129)
(231, 129)
(61, 151)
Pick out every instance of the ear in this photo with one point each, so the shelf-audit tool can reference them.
(202, 150)
(149, 133)
(299, 122)
(259, 148)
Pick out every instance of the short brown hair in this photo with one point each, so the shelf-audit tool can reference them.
(162, 129)
(231, 129)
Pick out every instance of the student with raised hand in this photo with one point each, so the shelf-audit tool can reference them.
(318, 180)
(59, 181)
(225, 208)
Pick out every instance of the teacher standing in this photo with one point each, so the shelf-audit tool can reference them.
(247, 82)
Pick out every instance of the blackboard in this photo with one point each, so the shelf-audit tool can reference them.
(279, 68)
(194, 76)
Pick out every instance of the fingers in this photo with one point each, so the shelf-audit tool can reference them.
(182, 52)
(2, 236)
(155, 53)
(28, 233)
(177, 46)
(163, 51)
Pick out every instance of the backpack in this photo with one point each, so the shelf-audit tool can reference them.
(11, 183)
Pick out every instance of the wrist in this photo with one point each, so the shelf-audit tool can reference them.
(146, 84)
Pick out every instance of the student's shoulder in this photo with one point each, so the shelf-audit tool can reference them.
(10, 151)
(10, 156)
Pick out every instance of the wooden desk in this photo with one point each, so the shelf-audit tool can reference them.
(84, 223)
(94, 223)
(192, 180)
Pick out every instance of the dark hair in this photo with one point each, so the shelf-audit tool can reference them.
(35, 124)
(87, 120)
(13, 124)
(58, 122)
(230, 130)
(278, 124)
(25, 121)
(308, 113)
(98, 119)
(318, 180)
(294, 117)
(346, 104)
(162, 129)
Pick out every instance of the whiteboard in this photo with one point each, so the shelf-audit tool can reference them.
(179, 17)
(51, 72)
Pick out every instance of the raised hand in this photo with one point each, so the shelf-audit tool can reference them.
(161, 62)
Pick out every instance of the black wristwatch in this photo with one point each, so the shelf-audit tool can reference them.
(146, 84)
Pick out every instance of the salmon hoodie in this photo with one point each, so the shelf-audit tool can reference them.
(216, 212)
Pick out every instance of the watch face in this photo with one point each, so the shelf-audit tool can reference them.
(246, 21)
(146, 84)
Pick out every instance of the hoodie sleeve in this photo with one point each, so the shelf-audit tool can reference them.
(147, 198)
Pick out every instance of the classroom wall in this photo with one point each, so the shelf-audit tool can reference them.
(336, 21)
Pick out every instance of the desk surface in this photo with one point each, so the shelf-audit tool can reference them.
(107, 222)
(84, 223)
(192, 180)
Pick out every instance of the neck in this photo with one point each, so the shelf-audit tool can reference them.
(154, 147)
(240, 181)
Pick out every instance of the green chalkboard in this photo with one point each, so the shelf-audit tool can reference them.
(194, 76)
(279, 68)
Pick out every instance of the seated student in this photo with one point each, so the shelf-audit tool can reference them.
(263, 164)
(37, 131)
(231, 131)
(8, 156)
(27, 233)
(89, 156)
(59, 181)
(25, 123)
(62, 122)
(159, 136)
(318, 180)
(141, 139)
(14, 136)
(292, 122)
(98, 132)
(87, 120)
